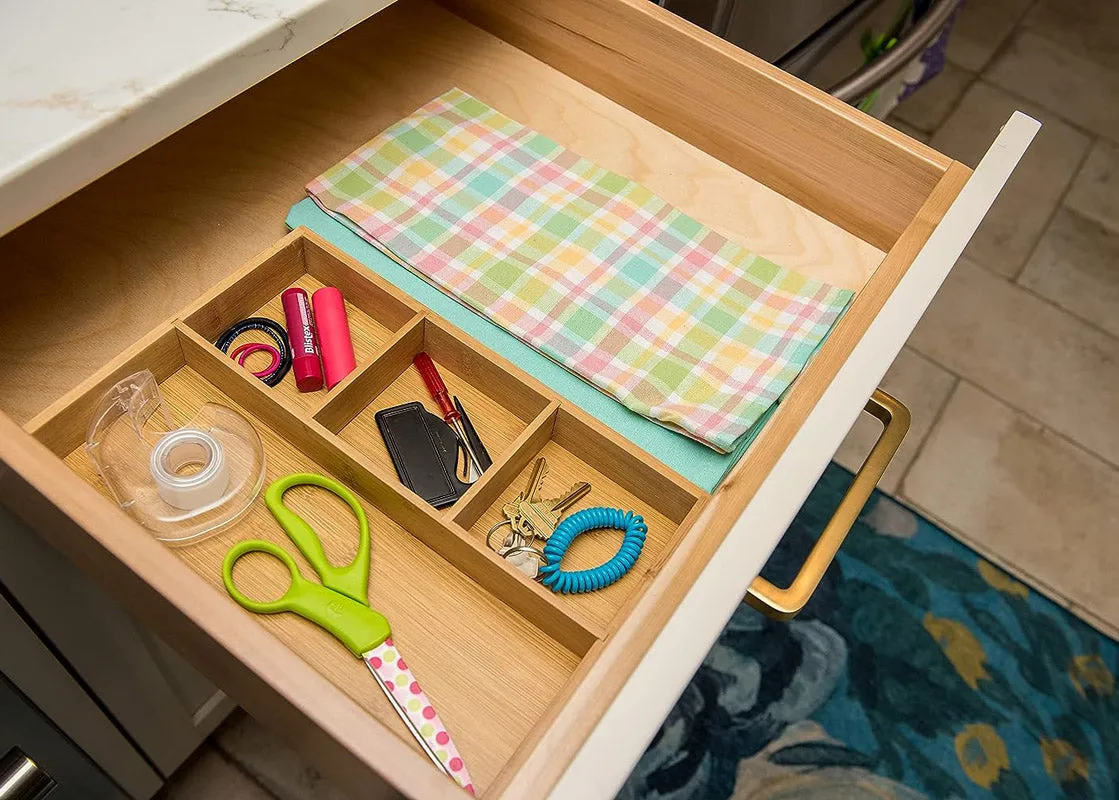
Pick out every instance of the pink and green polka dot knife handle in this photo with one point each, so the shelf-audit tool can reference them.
(386, 661)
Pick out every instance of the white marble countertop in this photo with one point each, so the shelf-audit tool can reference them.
(87, 84)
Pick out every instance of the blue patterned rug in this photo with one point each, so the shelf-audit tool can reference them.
(917, 670)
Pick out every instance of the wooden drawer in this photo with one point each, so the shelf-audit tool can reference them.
(543, 692)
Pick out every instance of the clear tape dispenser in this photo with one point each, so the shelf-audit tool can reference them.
(181, 483)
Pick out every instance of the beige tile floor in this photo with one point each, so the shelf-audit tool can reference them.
(1012, 376)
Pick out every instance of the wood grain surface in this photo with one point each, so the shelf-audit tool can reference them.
(848, 167)
(514, 413)
(466, 647)
(375, 311)
(90, 276)
(499, 405)
(421, 547)
(496, 426)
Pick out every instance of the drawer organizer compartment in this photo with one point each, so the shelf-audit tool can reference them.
(471, 625)
(508, 406)
(376, 316)
(620, 477)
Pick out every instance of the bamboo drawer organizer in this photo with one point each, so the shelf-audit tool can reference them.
(472, 625)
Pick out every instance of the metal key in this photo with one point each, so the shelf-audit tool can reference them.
(569, 498)
(535, 479)
(512, 509)
(518, 535)
(542, 517)
(536, 520)
(531, 493)
(514, 547)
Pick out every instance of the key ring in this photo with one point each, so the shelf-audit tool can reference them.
(515, 545)
(523, 550)
(493, 530)
(589, 580)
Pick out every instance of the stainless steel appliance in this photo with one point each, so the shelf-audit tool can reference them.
(770, 29)
(822, 41)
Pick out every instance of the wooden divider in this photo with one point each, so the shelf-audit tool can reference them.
(410, 511)
(517, 417)
(249, 288)
(64, 425)
(494, 481)
(350, 397)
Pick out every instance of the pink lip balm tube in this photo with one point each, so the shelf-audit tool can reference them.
(304, 344)
(334, 335)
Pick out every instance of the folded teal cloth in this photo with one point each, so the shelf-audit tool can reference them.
(696, 462)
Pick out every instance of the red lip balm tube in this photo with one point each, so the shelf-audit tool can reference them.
(334, 335)
(304, 345)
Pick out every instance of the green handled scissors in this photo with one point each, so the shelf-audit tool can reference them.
(340, 605)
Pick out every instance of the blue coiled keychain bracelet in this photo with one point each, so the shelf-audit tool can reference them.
(589, 580)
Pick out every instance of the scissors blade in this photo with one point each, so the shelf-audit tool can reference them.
(416, 711)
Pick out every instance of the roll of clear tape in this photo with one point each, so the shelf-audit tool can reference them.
(183, 481)
(183, 448)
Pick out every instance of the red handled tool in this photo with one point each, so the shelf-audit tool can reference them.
(451, 416)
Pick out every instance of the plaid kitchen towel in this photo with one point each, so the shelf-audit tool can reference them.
(590, 268)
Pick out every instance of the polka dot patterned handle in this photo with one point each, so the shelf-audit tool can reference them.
(391, 668)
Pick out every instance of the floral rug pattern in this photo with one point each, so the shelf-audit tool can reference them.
(918, 669)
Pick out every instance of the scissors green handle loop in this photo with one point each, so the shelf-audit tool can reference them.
(355, 624)
(297, 589)
(351, 580)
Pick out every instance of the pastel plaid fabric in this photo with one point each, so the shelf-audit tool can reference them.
(593, 270)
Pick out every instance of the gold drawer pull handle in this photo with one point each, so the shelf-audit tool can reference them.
(786, 603)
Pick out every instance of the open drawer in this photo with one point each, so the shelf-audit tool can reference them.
(542, 692)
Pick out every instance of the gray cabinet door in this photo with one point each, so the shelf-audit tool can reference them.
(159, 700)
(47, 715)
(23, 726)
